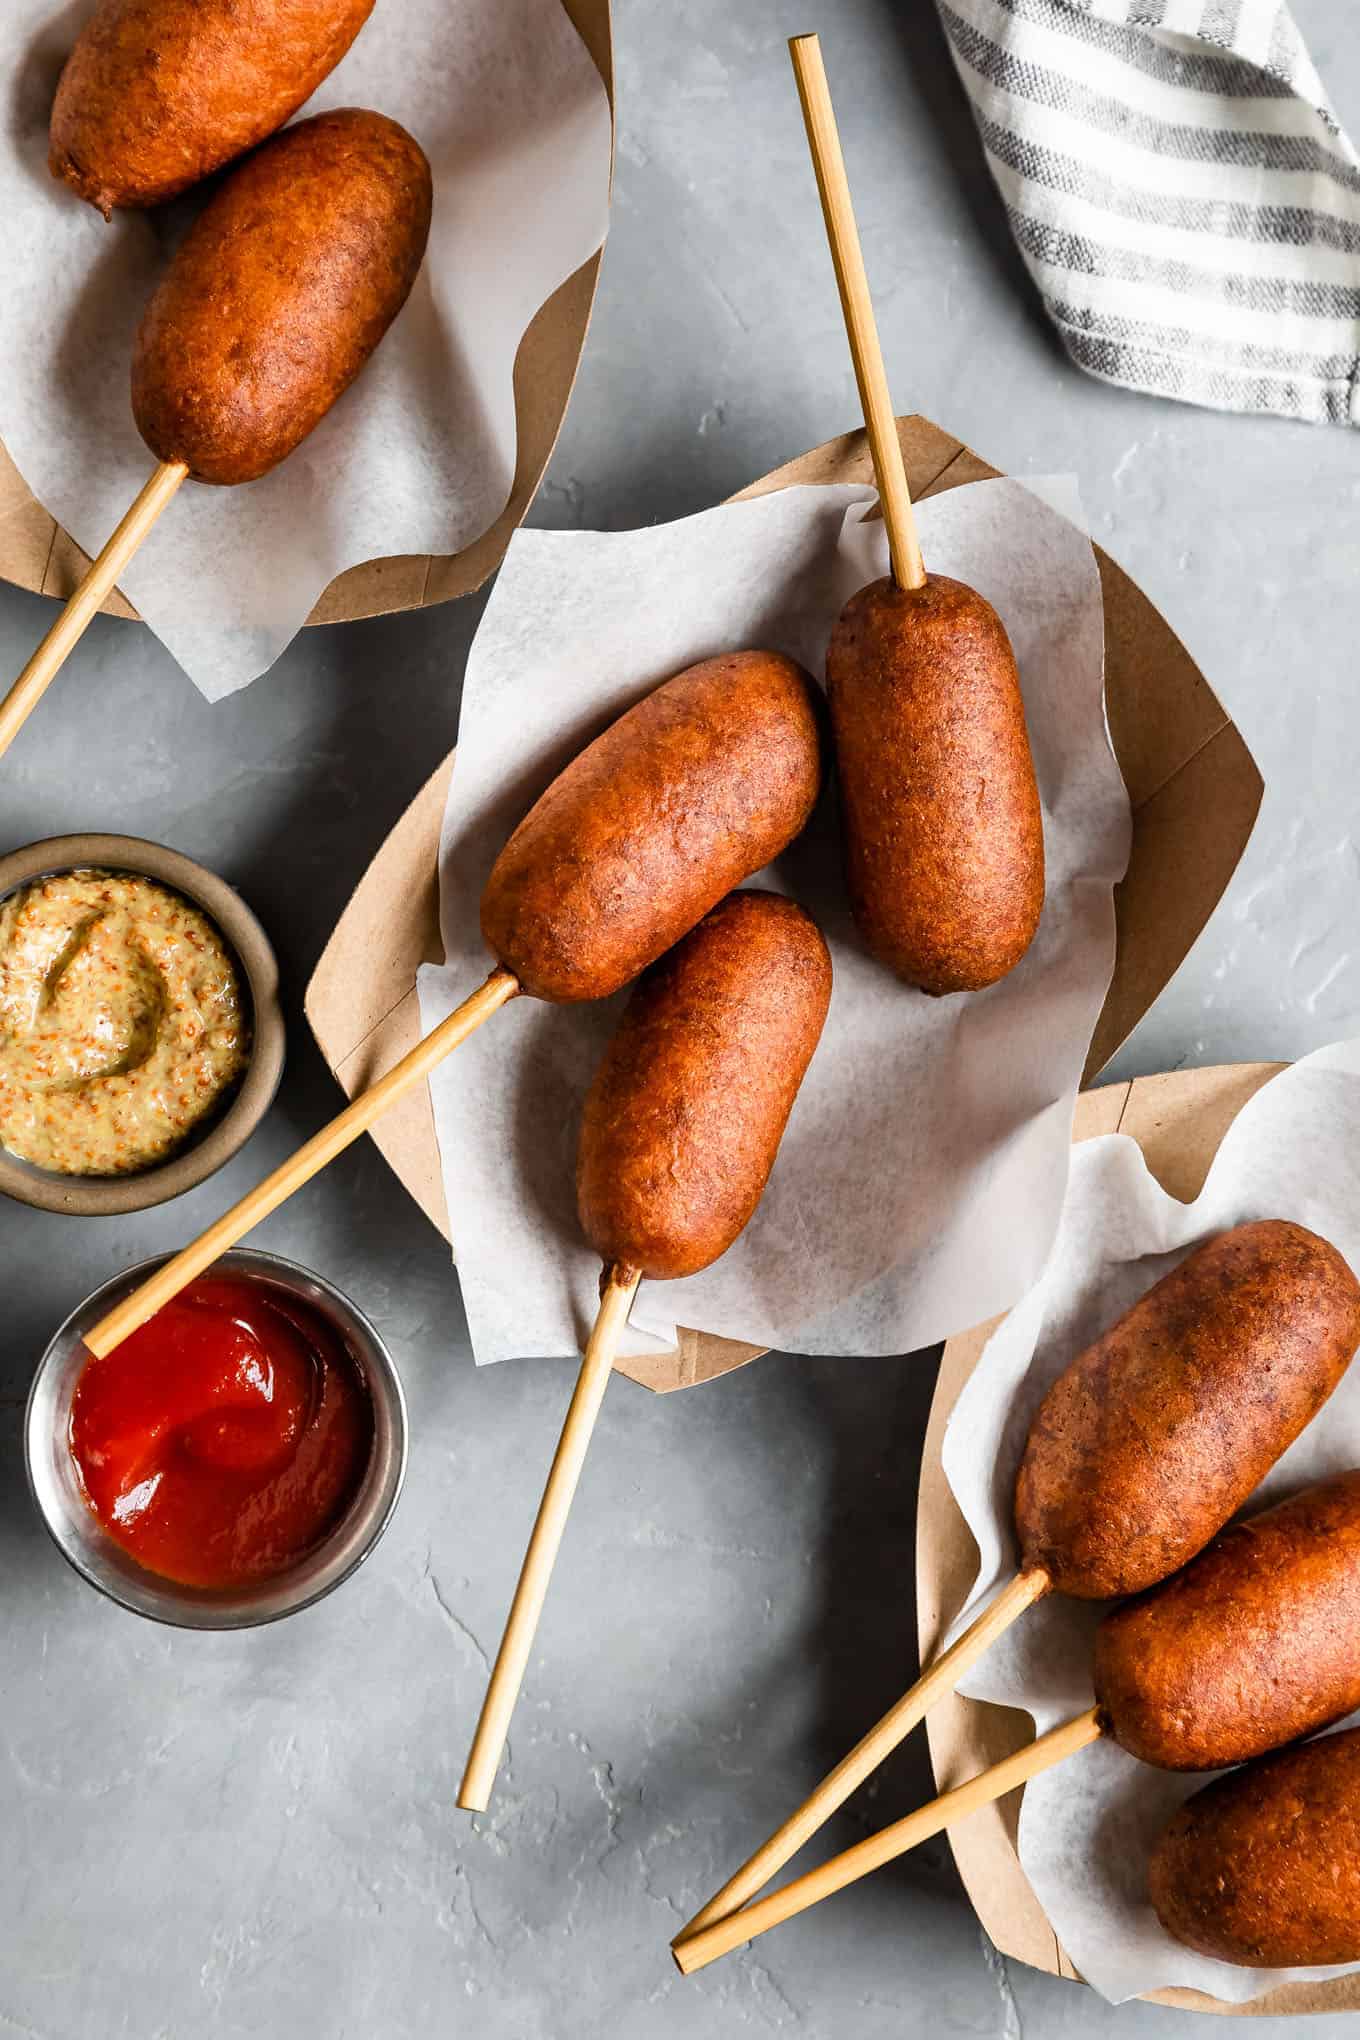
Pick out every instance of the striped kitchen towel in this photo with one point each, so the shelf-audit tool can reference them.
(1182, 192)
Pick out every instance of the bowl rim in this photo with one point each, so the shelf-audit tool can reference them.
(109, 1196)
(199, 1610)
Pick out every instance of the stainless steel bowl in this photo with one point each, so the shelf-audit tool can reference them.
(83, 1541)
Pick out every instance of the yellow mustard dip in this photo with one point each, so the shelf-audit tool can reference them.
(121, 1022)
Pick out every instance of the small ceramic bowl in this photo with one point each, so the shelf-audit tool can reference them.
(222, 1135)
(86, 1545)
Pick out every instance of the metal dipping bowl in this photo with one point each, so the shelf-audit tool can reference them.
(82, 1539)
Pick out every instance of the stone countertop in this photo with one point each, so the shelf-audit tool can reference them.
(254, 1837)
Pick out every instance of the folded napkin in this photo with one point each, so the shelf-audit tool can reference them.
(1182, 192)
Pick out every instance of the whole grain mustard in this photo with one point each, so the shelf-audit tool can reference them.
(122, 1022)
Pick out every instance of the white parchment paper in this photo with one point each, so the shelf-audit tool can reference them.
(922, 1172)
(417, 457)
(1087, 1828)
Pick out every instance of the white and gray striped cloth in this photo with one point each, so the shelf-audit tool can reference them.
(1183, 194)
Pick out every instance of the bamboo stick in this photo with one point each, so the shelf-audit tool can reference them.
(833, 188)
(695, 1951)
(100, 579)
(323, 1147)
(507, 1675)
(941, 1678)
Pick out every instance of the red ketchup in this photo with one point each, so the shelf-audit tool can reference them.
(222, 1440)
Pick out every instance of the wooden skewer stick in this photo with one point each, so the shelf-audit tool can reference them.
(694, 1951)
(941, 1678)
(323, 1147)
(616, 1298)
(99, 582)
(833, 188)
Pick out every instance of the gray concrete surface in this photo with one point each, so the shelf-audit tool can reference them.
(255, 1837)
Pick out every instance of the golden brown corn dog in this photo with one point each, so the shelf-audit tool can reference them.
(694, 789)
(1255, 1643)
(1155, 1435)
(684, 1118)
(279, 293)
(159, 93)
(944, 839)
(1262, 1867)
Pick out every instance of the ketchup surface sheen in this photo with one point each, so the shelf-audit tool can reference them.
(223, 1439)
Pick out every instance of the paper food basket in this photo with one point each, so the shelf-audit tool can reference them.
(1178, 1121)
(1192, 784)
(35, 553)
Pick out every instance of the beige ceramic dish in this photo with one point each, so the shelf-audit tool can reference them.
(228, 1131)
